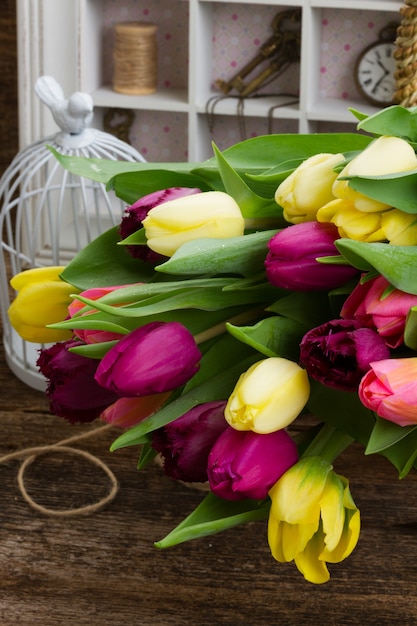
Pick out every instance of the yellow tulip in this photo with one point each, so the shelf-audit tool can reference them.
(212, 214)
(268, 396)
(42, 299)
(308, 188)
(399, 228)
(352, 223)
(385, 155)
(313, 518)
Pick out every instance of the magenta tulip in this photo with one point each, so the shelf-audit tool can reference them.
(156, 357)
(291, 262)
(376, 304)
(135, 214)
(186, 442)
(72, 390)
(245, 464)
(390, 389)
(339, 352)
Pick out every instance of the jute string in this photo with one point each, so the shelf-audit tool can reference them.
(32, 453)
(135, 58)
(406, 56)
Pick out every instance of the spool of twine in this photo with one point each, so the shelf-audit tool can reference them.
(135, 58)
(406, 56)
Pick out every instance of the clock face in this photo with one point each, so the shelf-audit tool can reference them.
(374, 73)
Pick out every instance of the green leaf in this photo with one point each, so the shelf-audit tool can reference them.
(396, 263)
(147, 454)
(93, 350)
(207, 299)
(250, 204)
(273, 336)
(385, 434)
(397, 443)
(223, 354)
(103, 263)
(341, 409)
(410, 330)
(215, 515)
(308, 308)
(359, 116)
(238, 255)
(130, 186)
(394, 120)
(396, 190)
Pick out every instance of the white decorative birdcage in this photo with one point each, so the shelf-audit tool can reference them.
(47, 213)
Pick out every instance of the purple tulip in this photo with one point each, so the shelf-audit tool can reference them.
(338, 353)
(291, 261)
(186, 442)
(153, 358)
(245, 464)
(135, 214)
(72, 390)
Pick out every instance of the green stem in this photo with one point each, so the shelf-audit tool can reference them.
(219, 329)
(328, 443)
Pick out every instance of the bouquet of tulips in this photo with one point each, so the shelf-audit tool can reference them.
(276, 280)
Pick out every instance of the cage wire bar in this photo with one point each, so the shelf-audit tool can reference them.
(48, 214)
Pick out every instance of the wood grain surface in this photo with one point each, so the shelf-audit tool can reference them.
(102, 570)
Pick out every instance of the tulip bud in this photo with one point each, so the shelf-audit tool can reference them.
(132, 219)
(313, 518)
(376, 304)
(127, 412)
(72, 391)
(291, 261)
(339, 352)
(153, 358)
(385, 155)
(212, 214)
(268, 396)
(186, 442)
(42, 299)
(92, 335)
(244, 464)
(351, 222)
(390, 389)
(308, 187)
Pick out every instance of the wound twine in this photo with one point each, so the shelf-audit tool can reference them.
(135, 58)
(406, 56)
(33, 453)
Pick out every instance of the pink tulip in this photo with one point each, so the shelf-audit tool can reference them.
(376, 304)
(126, 412)
(186, 442)
(72, 391)
(339, 352)
(156, 357)
(91, 335)
(245, 464)
(389, 389)
(291, 261)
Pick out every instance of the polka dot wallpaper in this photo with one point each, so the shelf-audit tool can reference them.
(238, 32)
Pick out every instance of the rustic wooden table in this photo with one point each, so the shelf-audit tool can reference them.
(103, 569)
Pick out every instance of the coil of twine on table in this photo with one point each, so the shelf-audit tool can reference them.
(135, 58)
(406, 56)
(31, 454)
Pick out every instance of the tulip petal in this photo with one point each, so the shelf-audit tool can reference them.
(310, 565)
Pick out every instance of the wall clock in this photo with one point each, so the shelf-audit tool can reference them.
(375, 68)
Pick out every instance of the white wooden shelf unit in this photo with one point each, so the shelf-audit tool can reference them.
(63, 38)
